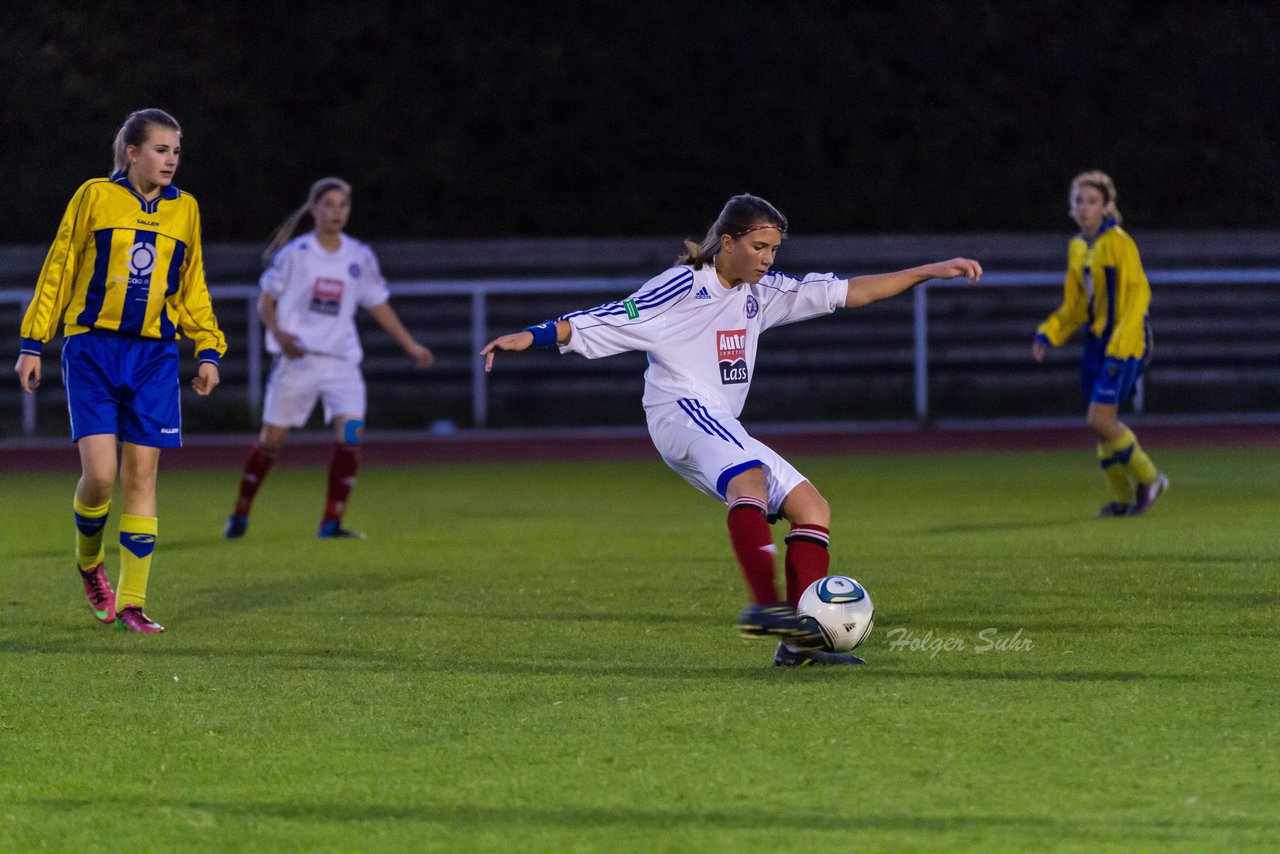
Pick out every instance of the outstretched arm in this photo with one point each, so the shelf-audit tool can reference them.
(518, 341)
(390, 321)
(864, 290)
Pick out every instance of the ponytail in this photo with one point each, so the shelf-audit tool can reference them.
(287, 229)
(741, 214)
(135, 131)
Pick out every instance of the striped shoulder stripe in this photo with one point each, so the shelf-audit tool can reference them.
(659, 295)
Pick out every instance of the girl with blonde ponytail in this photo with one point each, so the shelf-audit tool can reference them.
(123, 276)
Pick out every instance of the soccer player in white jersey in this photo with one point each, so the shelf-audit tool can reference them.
(310, 293)
(700, 323)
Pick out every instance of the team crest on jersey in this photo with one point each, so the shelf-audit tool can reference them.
(354, 271)
(731, 345)
(753, 307)
(326, 296)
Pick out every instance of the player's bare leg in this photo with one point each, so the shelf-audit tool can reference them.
(1124, 464)
(262, 456)
(807, 560)
(344, 462)
(747, 495)
(91, 506)
(138, 533)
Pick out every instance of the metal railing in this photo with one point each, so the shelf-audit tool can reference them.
(479, 293)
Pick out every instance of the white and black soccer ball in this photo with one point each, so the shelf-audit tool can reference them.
(842, 610)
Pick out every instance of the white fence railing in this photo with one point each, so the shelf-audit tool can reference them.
(479, 293)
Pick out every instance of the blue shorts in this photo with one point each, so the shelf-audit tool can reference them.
(127, 387)
(1105, 379)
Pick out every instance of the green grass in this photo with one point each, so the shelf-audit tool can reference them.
(541, 658)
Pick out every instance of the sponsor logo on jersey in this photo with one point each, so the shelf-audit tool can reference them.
(702, 294)
(326, 295)
(753, 307)
(731, 347)
(147, 222)
(632, 311)
(142, 259)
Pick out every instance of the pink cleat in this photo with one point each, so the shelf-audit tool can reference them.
(131, 617)
(102, 599)
(1147, 493)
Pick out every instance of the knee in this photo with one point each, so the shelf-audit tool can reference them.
(271, 440)
(352, 432)
(1104, 424)
(813, 510)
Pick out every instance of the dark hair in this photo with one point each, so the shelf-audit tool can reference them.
(135, 131)
(742, 214)
(289, 227)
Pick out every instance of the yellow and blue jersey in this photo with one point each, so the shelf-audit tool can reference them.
(126, 266)
(1106, 291)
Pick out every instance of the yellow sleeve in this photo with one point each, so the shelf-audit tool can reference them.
(195, 308)
(1133, 298)
(57, 276)
(1069, 316)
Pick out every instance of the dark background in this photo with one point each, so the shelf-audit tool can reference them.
(491, 119)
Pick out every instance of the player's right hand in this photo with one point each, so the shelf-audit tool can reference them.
(28, 370)
(1037, 350)
(514, 342)
(290, 345)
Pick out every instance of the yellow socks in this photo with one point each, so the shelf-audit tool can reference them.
(137, 542)
(1115, 474)
(1125, 459)
(90, 523)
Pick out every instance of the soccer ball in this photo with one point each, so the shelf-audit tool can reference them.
(842, 610)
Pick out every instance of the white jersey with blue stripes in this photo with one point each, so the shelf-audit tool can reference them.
(700, 337)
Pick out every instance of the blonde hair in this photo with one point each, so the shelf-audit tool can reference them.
(287, 229)
(135, 131)
(741, 214)
(1101, 182)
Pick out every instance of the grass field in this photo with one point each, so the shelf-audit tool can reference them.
(541, 658)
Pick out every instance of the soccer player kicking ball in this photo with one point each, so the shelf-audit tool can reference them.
(700, 324)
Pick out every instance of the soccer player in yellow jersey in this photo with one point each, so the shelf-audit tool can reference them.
(1106, 293)
(124, 275)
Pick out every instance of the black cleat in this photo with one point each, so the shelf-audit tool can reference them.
(1115, 508)
(788, 657)
(778, 621)
(333, 530)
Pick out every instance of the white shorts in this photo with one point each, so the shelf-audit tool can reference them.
(708, 448)
(296, 384)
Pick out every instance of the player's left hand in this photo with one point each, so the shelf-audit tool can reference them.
(966, 267)
(422, 356)
(206, 379)
(514, 342)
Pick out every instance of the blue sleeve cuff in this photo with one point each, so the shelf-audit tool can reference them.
(32, 346)
(210, 356)
(544, 334)
(1044, 339)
